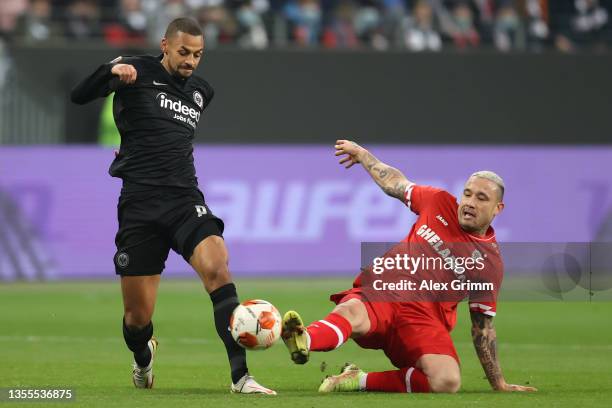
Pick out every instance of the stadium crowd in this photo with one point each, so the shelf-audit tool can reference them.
(415, 25)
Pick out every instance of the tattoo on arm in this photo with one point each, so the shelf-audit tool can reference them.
(485, 342)
(388, 178)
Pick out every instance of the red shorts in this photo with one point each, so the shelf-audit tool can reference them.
(404, 331)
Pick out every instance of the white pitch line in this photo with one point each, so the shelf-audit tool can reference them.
(70, 339)
(198, 341)
(540, 346)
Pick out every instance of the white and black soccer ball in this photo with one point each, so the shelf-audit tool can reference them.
(256, 324)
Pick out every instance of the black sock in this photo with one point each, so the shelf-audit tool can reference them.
(136, 340)
(224, 301)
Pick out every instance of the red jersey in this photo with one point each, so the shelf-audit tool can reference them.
(437, 234)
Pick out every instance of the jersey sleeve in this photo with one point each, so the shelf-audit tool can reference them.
(485, 301)
(418, 197)
(209, 93)
(488, 308)
(98, 85)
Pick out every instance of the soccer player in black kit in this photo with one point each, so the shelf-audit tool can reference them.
(157, 106)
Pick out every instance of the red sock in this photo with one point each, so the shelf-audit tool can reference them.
(405, 380)
(329, 333)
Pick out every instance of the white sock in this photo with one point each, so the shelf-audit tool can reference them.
(307, 340)
(362, 382)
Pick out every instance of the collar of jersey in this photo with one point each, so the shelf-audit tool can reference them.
(489, 235)
(174, 80)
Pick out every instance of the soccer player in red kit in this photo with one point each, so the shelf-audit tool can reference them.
(415, 335)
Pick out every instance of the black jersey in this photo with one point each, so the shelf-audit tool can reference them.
(156, 116)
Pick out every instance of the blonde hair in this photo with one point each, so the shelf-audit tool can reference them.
(494, 177)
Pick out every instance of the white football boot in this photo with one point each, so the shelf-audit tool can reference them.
(248, 385)
(350, 378)
(143, 376)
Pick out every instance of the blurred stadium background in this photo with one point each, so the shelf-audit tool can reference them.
(436, 88)
(526, 93)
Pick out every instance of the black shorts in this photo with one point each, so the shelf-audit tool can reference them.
(155, 221)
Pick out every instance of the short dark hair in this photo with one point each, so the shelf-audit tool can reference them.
(185, 25)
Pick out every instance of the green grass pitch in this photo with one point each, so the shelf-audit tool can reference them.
(69, 335)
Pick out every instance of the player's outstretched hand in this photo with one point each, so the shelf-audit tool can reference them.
(516, 388)
(352, 151)
(126, 73)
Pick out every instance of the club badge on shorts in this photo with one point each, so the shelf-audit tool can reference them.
(122, 259)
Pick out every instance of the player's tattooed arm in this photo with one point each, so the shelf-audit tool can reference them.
(485, 342)
(388, 178)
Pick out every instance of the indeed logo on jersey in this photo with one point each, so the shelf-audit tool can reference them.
(180, 110)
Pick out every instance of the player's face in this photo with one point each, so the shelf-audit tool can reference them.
(182, 53)
(480, 203)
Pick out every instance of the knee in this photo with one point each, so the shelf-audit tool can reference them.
(211, 257)
(354, 311)
(214, 269)
(210, 261)
(446, 382)
(137, 319)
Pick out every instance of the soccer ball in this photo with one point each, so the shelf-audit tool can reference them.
(255, 324)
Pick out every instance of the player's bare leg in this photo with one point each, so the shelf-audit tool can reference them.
(210, 261)
(355, 312)
(442, 372)
(139, 295)
(349, 319)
